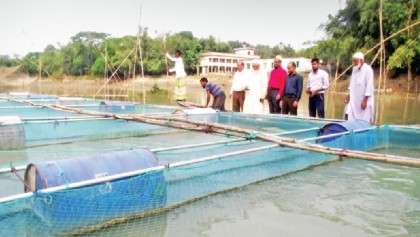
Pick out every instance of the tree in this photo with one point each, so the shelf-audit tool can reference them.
(358, 24)
(192, 56)
(6, 61)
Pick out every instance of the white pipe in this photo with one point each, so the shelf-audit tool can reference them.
(16, 107)
(196, 145)
(61, 118)
(135, 173)
(101, 180)
(296, 131)
(336, 134)
(209, 158)
(8, 170)
(69, 120)
(280, 116)
(19, 168)
(16, 197)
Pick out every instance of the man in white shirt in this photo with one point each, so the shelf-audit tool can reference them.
(256, 91)
(180, 82)
(361, 97)
(237, 91)
(318, 82)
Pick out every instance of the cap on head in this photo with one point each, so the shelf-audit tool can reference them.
(278, 57)
(359, 55)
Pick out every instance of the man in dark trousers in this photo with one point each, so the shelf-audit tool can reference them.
(318, 82)
(276, 86)
(218, 94)
(292, 91)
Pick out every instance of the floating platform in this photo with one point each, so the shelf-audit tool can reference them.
(91, 164)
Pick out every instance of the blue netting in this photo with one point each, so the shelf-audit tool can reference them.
(266, 123)
(108, 204)
(58, 132)
(77, 209)
(4, 103)
(127, 108)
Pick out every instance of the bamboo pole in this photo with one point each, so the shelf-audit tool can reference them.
(113, 74)
(381, 61)
(142, 74)
(166, 69)
(188, 124)
(326, 150)
(134, 66)
(39, 75)
(377, 45)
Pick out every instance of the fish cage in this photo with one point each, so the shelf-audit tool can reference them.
(112, 175)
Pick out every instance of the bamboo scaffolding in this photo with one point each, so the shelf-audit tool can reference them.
(188, 124)
(113, 74)
(166, 69)
(376, 46)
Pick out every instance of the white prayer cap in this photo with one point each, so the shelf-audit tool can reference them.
(359, 55)
(278, 57)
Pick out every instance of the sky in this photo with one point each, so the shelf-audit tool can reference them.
(31, 25)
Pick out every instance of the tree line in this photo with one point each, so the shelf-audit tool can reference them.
(354, 28)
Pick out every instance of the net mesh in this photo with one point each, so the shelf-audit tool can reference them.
(100, 206)
(154, 203)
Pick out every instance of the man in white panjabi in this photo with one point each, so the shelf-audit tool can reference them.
(255, 91)
(180, 92)
(361, 91)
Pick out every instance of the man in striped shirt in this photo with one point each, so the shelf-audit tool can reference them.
(219, 96)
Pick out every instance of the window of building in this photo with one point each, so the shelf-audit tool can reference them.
(297, 64)
(248, 66)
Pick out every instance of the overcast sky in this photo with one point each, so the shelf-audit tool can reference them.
(30, 25)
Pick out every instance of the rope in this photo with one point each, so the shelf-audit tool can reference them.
(342, 154)
(13, 170)
(62, 175)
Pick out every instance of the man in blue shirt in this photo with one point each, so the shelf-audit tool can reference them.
(292, 91)
(219, 96)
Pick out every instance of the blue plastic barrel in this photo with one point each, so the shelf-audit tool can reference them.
(65, 211)
(346, 126)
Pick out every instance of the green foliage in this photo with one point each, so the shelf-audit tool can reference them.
(192, 56)
(30, 63)
(98, 68)
(6, 61)
(357, 27)
(264, 51)
(403, 55)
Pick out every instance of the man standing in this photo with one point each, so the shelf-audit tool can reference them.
(276, 86)
(361, 91)
(318, 82)
(255, 91)
(237, 91)
(217, 93)
(180, 82)
(292, 91)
